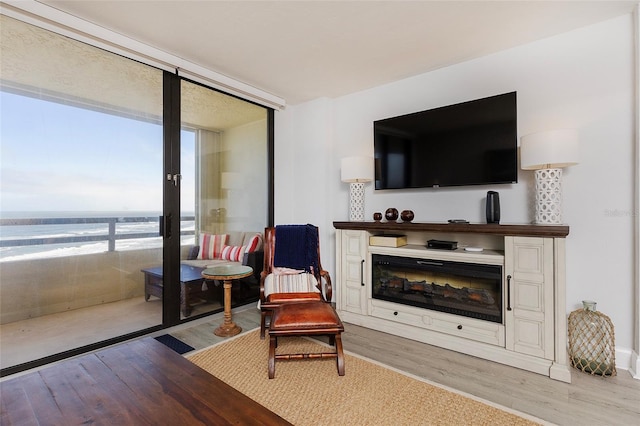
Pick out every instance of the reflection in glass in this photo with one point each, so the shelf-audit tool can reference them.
(229, 163)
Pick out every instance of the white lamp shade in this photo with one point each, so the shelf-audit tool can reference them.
(553, 149)
(356, 169)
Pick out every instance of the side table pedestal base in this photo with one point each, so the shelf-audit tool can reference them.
(227, 330)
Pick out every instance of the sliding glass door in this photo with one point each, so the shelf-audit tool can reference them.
(112, 172)
(224, 162)
(81, 195)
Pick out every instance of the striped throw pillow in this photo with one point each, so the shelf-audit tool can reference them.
(290, 283)
(236, 253)
(211, 246)
(254, 244)
(233, 253)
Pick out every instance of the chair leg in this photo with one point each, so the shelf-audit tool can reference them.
(340, 355)
(263, 315)
(272, 356)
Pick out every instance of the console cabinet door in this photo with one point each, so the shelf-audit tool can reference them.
(352, 267)
(528, 292)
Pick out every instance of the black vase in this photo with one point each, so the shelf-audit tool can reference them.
(493, 207)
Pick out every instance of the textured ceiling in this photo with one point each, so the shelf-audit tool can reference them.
(302, 50)
(54, 67)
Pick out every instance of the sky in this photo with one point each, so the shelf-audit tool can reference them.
(56, 157)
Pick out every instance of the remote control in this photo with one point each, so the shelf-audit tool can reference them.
(458, 221)
(475, 249)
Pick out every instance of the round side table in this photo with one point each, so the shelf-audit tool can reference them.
(226, 274)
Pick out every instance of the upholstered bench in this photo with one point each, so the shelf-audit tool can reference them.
(305, 319)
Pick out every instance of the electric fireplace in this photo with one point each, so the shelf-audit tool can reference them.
(467, 289)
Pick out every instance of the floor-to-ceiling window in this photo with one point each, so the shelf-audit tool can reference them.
(81, 192)
(230, 163)
(86, 192)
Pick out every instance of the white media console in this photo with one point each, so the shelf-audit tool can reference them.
(532, 334)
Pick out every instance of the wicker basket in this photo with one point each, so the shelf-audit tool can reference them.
(592, 341)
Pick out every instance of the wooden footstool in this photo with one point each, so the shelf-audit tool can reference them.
(274, 300)
(305, 319)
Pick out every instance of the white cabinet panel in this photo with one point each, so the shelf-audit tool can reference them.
(528, 296)
(351, 247)
(468, 328)
(529, 315)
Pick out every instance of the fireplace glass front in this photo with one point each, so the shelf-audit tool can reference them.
(467, 289)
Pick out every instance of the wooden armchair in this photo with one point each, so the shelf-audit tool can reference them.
(300, 280)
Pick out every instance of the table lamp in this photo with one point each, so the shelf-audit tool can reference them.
(548, 153)
(356, 171)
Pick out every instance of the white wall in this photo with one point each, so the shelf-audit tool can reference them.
(582, 79)
(303, 170)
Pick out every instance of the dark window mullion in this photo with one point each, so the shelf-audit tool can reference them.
(171, 200)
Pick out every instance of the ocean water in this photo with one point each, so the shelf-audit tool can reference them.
(38, 251)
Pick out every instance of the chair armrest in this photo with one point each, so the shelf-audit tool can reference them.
(328, 291)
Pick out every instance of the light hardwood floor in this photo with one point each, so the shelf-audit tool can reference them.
(588, 400)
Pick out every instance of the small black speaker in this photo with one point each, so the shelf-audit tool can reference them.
(493, 207)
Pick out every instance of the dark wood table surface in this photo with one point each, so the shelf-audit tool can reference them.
(190, 285)
(137, 383)
(188, 273)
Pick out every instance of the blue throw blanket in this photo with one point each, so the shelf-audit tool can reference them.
(296, 247)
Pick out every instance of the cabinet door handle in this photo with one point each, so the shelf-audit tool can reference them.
(362, 273)
(508, 292)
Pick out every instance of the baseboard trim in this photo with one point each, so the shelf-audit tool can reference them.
(634, 365)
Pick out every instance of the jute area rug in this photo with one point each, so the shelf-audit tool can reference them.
(310, 392)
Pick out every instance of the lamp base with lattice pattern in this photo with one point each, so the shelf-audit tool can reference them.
(356, 202)
(548, 196)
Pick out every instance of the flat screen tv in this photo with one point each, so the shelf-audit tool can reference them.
(470, 143)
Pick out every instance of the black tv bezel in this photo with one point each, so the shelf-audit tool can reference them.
(479, 108)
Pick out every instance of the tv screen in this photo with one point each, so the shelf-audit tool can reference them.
(471, 143)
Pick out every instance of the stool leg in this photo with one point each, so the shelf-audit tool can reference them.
(340, 353)
(272, 356)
